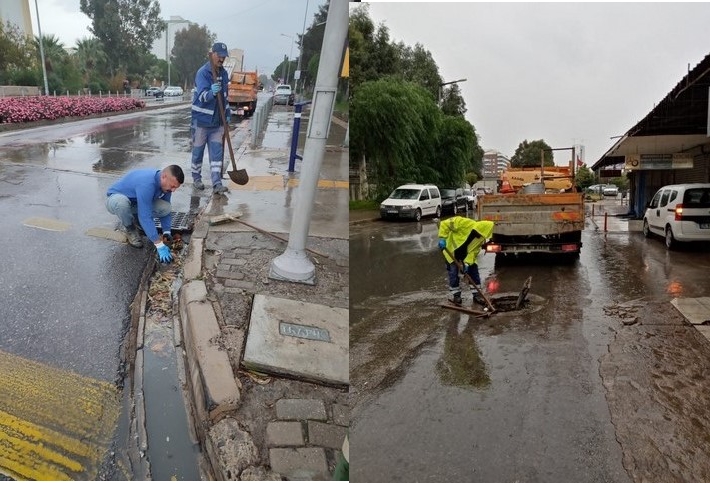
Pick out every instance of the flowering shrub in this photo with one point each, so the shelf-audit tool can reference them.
(28, 109)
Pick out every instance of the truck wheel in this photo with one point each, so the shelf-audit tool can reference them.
(438, 212)
(418, 215)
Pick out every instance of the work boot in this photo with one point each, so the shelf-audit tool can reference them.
(220, 189)
(134, 238)
(199, 185)
(478, 299)
(457, 299)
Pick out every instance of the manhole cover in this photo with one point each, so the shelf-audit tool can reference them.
(182, 222)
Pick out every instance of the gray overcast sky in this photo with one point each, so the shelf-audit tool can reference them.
(568, 73)
(254, 26)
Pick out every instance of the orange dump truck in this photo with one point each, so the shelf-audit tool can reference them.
(243, 91)
(534, 218)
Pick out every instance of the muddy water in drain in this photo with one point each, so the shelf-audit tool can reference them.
(172, 453)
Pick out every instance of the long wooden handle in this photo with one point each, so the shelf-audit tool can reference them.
(220, 105)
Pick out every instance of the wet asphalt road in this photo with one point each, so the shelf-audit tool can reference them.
(65, 303)
(443, 397)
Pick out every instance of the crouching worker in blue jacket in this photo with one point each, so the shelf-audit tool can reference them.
(139, 197)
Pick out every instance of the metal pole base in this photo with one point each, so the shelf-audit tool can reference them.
(293, 266)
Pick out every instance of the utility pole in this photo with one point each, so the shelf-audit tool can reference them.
(293, 265)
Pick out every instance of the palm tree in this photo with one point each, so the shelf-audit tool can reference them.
(90, 57)
(54, 52)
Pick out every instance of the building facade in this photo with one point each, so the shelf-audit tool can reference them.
(494, 163)
(17, 12)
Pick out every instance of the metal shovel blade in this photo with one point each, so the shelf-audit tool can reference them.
(239, 176)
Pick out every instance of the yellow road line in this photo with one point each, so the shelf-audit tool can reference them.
(54, 424)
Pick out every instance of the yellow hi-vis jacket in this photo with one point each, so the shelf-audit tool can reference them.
(456, 231)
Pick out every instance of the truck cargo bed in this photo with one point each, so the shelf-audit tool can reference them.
(533, 214)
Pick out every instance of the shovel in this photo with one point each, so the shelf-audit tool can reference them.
(470, 280)
(239, 176)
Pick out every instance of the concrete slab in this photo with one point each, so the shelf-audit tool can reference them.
(695, 310)
(298, 339)
(704, 330)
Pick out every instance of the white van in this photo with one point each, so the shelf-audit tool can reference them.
(412, 201)
(679, 213)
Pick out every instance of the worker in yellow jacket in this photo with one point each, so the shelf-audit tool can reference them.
(464, 238)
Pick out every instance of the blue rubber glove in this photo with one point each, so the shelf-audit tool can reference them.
(216, 87)
(465, 267)
(442, 243)
(164, 254)
(229, 116)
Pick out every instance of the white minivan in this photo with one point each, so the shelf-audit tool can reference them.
(679, 213)
(412, 201)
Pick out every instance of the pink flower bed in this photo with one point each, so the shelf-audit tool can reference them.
(28, 109)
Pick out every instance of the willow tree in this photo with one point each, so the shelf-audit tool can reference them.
(394, 128)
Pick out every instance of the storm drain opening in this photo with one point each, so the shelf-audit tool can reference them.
(509, 304)
(182, 222)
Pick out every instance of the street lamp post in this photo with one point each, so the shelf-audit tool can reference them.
(300, 52)
(41, 53)
(288, 68)
(446, 84)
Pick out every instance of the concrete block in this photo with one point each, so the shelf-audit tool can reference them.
(231, 448)
(326, 435)
(194, 291)
(695, 310)
(301, 409)
(192, 268)
(202, 331)
(341, 415)
(284, 433)
(300, 463)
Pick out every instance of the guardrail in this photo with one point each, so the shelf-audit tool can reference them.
(260, 118)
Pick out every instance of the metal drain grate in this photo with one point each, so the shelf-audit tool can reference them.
(182, 222)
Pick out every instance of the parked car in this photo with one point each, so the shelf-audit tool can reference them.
(173, 91)
(610, 190)
(154, 92)
(283, 95)
(412, 201)
(471, 198)
(453, 201)
(679, 213)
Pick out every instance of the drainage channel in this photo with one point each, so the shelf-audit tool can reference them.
(172, 449)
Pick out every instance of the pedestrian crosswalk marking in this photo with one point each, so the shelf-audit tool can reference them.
(54, 424)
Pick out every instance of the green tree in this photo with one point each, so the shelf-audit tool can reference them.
(126, 28)
(189, 52)
(310, 44)
(455, 143)
(584, 177)
(417, 65)
(90, 58)
(372, 56)
(18, 65)
(452, 104)
(54, 52)
(528, 154)
(394, 125)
